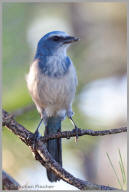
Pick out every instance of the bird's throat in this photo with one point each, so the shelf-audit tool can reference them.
(54, 66)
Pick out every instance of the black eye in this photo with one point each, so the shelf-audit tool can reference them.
(56, 38)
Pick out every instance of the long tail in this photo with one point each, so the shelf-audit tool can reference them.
(54, 146)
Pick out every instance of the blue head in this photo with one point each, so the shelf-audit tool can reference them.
(54, 43)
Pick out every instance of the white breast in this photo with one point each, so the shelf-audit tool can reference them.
(52, 94)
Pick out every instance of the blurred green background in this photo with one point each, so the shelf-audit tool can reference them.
(100, 60)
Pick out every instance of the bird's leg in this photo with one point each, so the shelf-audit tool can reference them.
(76, 129)
(36, 133)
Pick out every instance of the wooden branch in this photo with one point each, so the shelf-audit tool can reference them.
(44, 157)
(63, 174)
(8, 183)
(81, 132)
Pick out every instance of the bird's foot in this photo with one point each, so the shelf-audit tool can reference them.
(36, 137)
(76, 130)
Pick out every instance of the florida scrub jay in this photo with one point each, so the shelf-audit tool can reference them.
(52, 84)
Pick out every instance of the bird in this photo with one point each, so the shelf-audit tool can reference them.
(52, 82)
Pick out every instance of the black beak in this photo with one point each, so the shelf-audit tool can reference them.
(70, 39)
